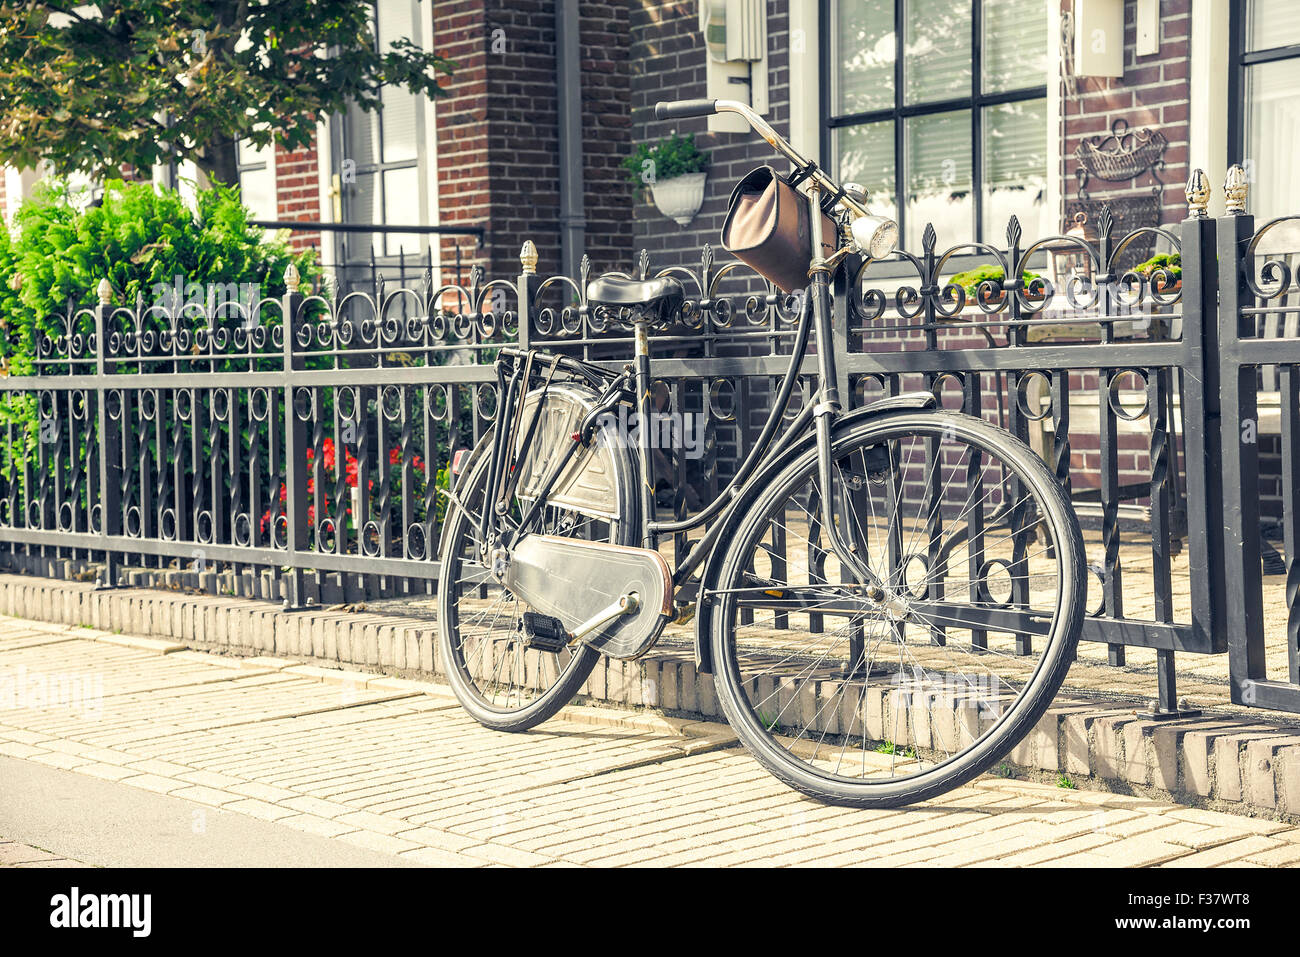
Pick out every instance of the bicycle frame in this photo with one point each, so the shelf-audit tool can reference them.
(561, 521)
(816, 311)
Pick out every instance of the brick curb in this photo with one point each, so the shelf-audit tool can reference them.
(1225, 762)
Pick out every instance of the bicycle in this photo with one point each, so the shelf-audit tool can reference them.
(884, 619)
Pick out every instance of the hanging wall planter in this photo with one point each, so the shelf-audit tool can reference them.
(681, 197)
(673, 171)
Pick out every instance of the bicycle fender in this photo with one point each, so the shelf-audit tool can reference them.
(904, 402)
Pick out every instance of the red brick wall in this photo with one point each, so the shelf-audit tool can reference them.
(605, 35)
(460, 33)
(668, 62)
(1152, 93)
(498, 147)
(522, 140)
(297, 190)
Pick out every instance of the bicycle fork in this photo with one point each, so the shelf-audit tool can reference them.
(826, 412)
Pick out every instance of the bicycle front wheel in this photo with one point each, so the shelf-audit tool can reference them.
(876, 694)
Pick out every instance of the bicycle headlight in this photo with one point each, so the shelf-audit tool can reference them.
(875, 236)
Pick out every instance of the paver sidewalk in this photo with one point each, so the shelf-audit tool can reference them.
(16, 854)
(397, 767)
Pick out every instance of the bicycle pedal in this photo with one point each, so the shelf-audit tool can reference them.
(544, 632)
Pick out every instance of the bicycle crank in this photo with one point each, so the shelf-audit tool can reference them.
(546, 633)
(614, 598)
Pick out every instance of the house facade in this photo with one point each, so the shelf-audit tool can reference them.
(956, 112)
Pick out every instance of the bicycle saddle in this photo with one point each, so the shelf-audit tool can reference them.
(654, 298)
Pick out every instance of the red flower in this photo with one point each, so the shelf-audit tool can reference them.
(327, 454)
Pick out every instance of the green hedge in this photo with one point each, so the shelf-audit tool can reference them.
(139, 237)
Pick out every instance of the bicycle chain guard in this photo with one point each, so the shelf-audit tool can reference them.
(575, 580)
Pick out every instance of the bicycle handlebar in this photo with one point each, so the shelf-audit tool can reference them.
(684, 109)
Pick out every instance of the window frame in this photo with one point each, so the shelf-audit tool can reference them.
(380, 167)
(1241, 60)
(259, 166)
(976, 103)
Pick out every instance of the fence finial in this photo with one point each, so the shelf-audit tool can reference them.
(105, 292)
(291, 277)
(1198, 193)
(528, 256)
(1235, 188)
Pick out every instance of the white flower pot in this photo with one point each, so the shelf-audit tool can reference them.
(681, 197)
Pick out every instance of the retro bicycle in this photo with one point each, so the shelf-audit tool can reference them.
(887, 599)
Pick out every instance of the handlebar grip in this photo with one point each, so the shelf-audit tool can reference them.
(682, 109)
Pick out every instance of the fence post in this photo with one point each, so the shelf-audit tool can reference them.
(295, 446)
(840, 297)
(110, 451)
(527, 287)
(1238, 386)
(1199, 299)
(1201, 416)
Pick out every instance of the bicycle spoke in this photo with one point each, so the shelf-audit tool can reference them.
(914, 676)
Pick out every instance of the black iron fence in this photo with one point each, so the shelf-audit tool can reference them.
(295, 450)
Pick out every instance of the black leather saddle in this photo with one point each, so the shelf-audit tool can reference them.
(654, 299)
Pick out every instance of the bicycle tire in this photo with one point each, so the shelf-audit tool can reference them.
(765, 741)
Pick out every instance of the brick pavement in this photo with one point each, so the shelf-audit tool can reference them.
(395, 766)
(15, 854)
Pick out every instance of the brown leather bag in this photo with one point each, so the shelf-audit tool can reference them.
(767, 227)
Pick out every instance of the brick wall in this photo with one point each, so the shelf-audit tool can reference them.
(459, 33)
(297, 190)
(522, 140)
(498, 146)
(1152, 93)
(605, 34)
(668, 63)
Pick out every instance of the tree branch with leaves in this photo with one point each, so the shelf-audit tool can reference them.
(91, 87)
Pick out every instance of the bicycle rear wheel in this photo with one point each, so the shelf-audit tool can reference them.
(878, 697)
(499, 676)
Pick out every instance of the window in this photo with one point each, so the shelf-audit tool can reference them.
(381, 154)
(1265, 125)
(257, 179)
(939, 108)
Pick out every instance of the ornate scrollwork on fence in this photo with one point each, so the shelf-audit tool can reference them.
(1274, 276)
(1019, 298)
(708, 308)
